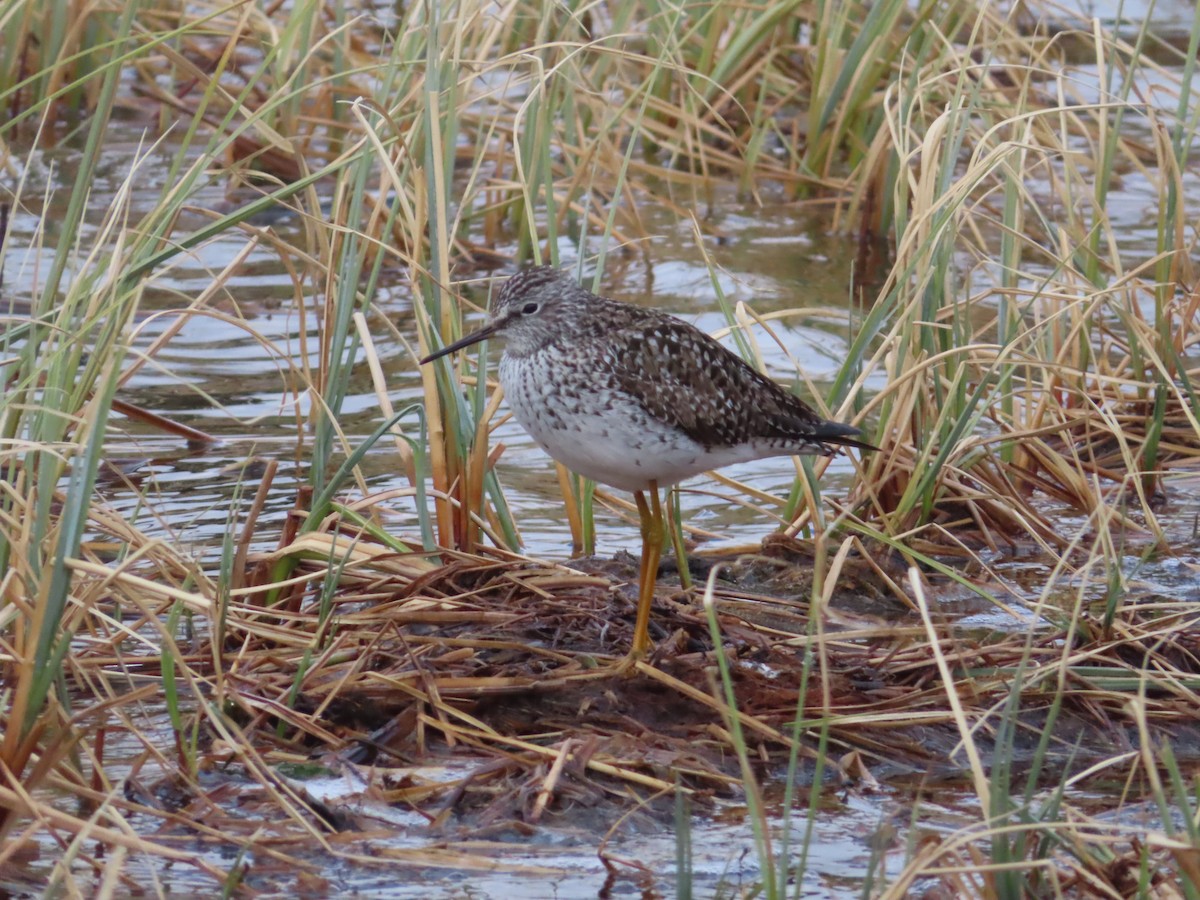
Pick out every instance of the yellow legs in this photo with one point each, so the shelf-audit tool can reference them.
(652, 543)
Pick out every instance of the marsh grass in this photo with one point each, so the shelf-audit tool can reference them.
(1030, 363)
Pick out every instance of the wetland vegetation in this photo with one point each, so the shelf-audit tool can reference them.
(281, 611)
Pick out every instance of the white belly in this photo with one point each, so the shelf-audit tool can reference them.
(601, 434)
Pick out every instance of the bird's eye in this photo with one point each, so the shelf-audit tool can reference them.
(529, 309)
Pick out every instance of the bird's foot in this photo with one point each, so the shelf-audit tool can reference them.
(628, 665)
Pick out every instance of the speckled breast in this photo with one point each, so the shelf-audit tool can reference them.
(572, 407)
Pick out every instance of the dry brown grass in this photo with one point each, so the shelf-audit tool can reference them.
(500, 666)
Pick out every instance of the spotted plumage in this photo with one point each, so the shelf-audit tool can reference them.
(634, 397)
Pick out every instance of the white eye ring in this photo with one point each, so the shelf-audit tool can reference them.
(529, 309)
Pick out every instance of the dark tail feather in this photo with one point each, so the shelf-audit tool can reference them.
(835, 434)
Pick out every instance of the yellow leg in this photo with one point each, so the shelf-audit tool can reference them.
(652, 544)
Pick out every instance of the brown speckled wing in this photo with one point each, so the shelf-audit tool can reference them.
(685, 378)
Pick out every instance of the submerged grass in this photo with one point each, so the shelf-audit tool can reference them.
(1030, 364)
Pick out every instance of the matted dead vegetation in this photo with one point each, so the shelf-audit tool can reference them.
(442, 645)
(382, 664)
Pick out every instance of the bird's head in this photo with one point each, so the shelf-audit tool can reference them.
(536, 306)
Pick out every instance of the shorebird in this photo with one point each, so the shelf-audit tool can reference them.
(637, 399)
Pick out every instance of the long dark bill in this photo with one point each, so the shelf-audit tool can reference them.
(465, 341)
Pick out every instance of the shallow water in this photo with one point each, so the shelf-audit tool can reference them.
(777, 259)
(216, 374)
